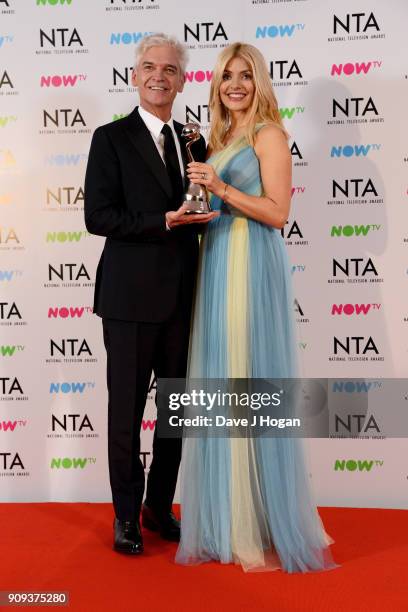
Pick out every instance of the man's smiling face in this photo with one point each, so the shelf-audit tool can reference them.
(158, 78)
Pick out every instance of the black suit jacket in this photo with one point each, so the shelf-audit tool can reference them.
(144, 269)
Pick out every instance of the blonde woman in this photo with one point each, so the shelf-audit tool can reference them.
(246, 500)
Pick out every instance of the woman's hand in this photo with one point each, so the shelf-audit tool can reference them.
(205, 174)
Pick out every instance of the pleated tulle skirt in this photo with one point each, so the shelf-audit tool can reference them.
(246, 500)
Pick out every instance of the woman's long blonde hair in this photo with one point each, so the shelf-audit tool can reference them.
(264, 107)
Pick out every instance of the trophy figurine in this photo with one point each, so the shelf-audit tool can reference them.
(196, 196)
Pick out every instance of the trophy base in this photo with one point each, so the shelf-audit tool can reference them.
(197, 206)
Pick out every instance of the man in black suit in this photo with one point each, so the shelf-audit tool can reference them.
(144, 281)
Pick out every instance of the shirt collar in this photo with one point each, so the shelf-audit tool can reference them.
(153, 123)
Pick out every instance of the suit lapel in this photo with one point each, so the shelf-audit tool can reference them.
(143, 142)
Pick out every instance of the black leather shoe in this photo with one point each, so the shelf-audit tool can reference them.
(163, 522)
(128, 538)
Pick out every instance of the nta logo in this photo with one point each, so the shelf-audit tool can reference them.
(70, 117)
(63, 37)
(357, 22)
(206, 31)
(360, 344)
(278, 69)
(74, 347)
(10, 461)
(357, 109)
(361, 188)
(84, 422)
(355, 266)
(68, 272)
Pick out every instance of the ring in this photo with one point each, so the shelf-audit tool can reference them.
(203, 175)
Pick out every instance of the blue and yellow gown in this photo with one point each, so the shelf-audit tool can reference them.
(245, 500)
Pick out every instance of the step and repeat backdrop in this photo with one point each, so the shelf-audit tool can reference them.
(340, 74)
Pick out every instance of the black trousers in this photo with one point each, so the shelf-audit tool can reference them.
(134, 350)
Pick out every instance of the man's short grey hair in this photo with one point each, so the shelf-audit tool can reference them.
(162, 40)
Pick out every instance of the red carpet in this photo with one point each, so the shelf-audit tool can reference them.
(68, 547)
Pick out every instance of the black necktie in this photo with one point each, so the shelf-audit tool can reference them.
(172, 163)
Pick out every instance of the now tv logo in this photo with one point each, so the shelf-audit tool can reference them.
(359, 465)
(354, 68)
(353, 150)
(350, 309)
(9, 275)
(353, 230)
(148, 424)
(198, 76)
(70, 387)
(53, 2)
(65, 312)
(4, 39)
(74, 462)
(61, 80)
(66, 159)
(7, 350)
(298, 190)
(272, 31)
(288, 112)
(7, 119)
(127, 38)
(11, 425)
(65, 236)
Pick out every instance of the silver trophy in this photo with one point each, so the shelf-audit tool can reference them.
(196, 196)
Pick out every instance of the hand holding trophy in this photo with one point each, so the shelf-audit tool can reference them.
(196, 196)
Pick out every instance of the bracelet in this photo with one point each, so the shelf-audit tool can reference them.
(225, 192)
